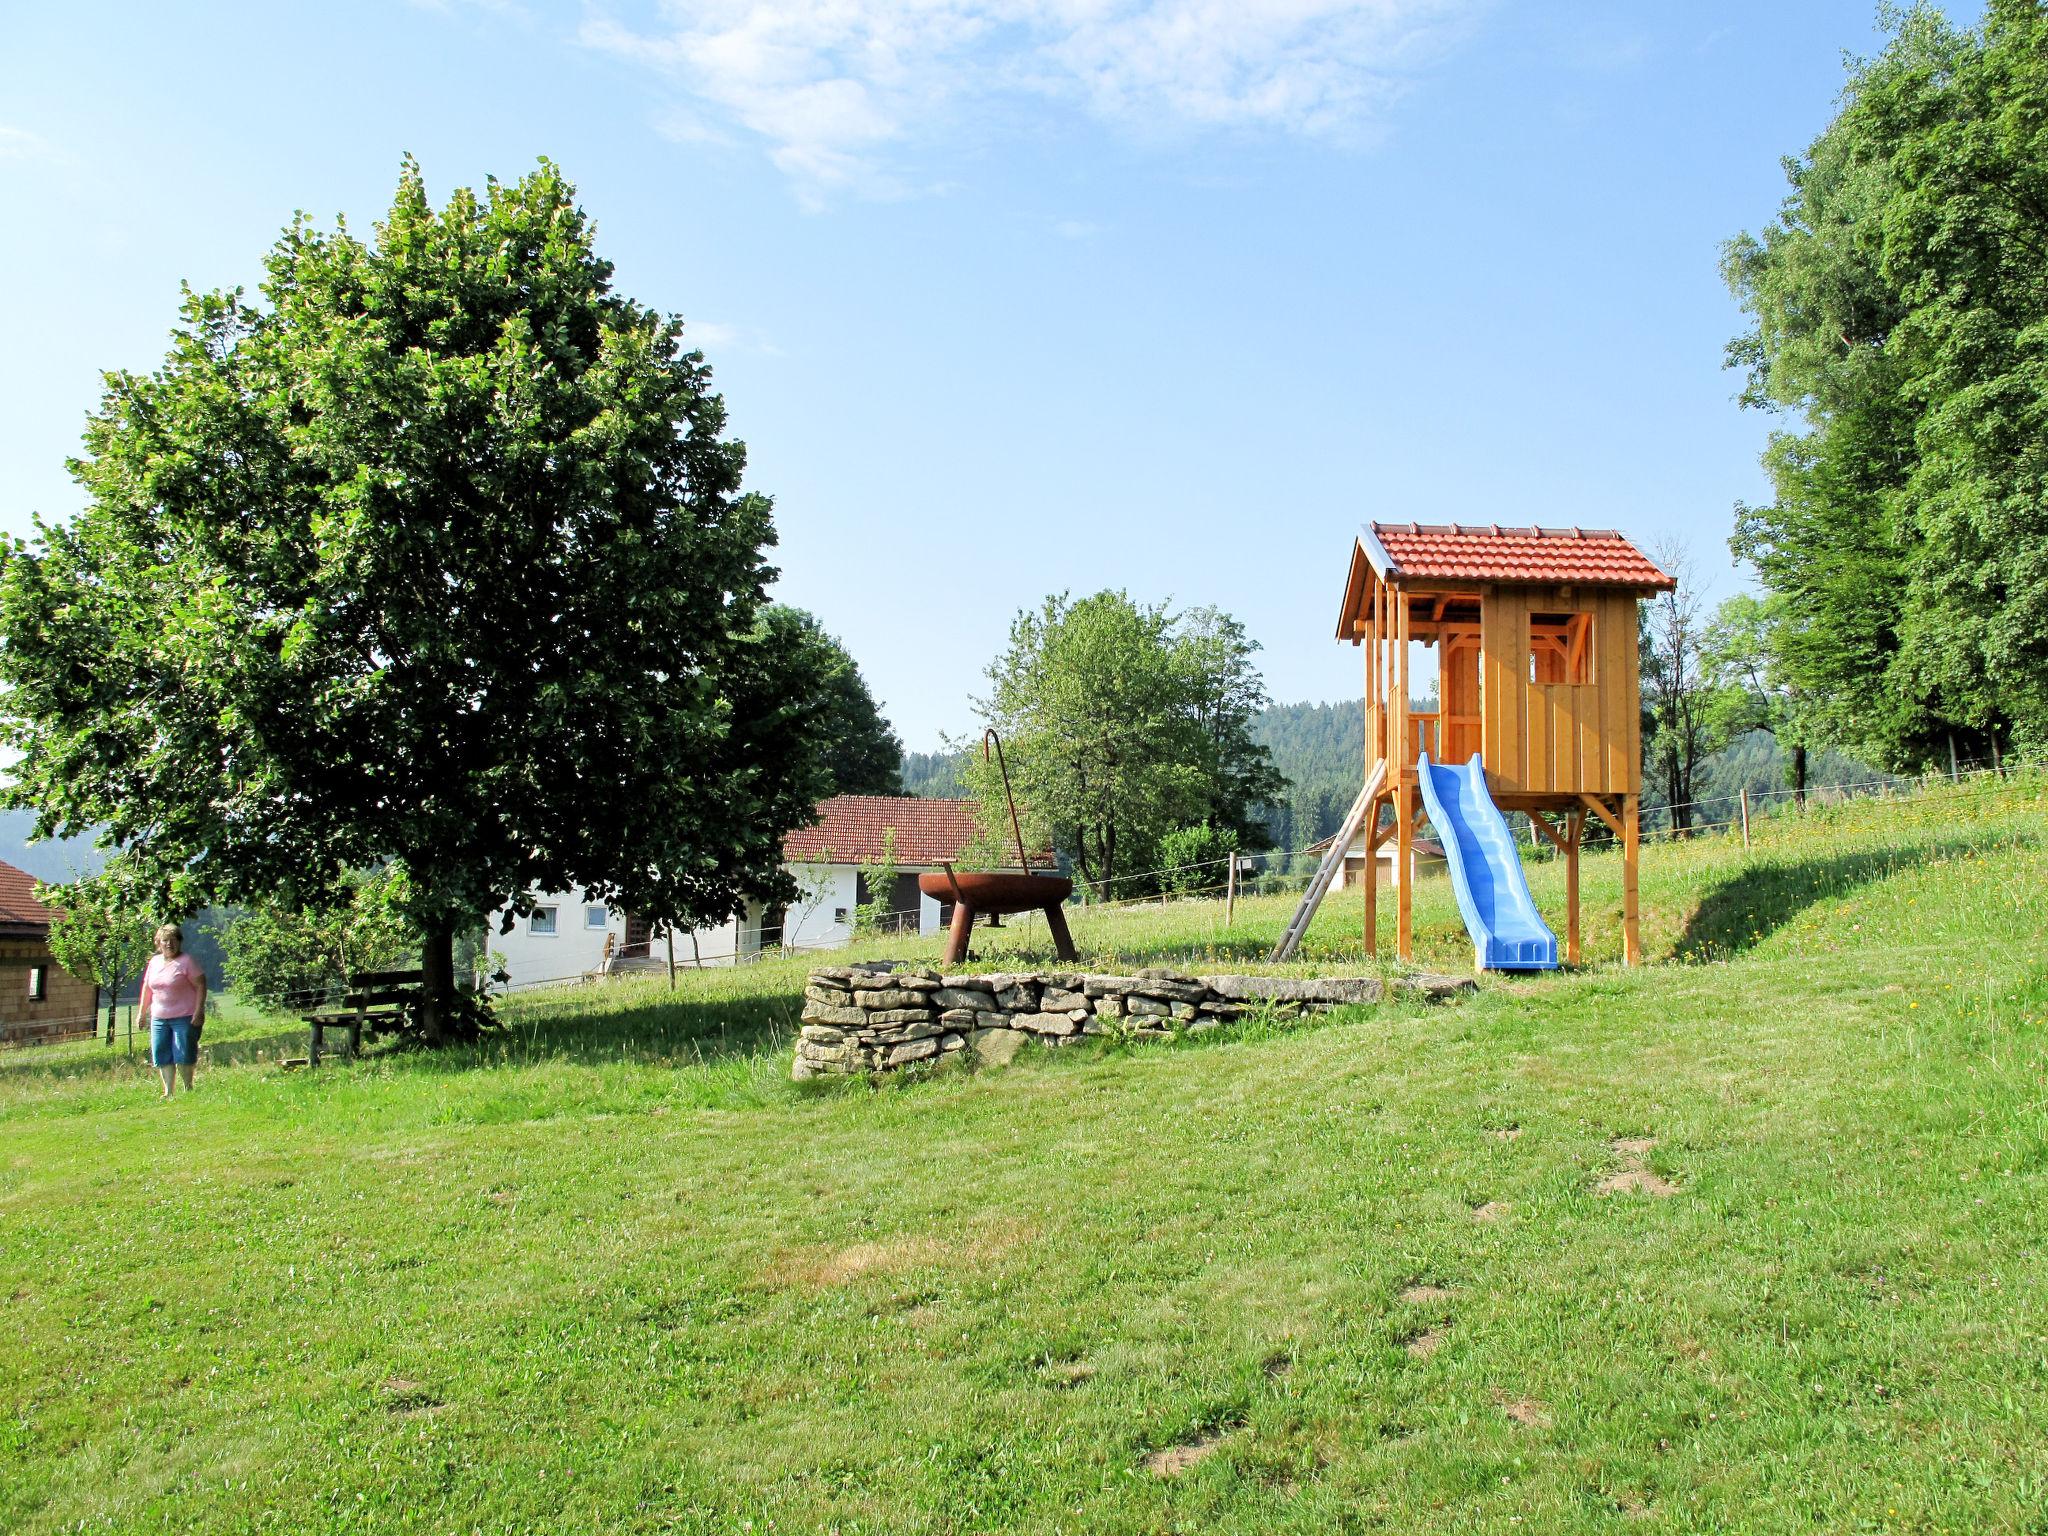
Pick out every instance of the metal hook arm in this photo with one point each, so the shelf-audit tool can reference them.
(989, 738)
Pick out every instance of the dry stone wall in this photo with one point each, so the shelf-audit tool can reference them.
(882, 1018)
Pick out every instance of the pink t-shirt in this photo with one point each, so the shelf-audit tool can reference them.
(173, 986)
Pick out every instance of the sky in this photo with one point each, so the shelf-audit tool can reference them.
(1007, 297)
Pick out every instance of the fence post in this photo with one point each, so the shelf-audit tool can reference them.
(1745, 816)
(1230, 892)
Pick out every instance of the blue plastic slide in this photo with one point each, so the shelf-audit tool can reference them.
(1486, 871)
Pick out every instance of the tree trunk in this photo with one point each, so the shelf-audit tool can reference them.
(437, 982)
(1799, 774)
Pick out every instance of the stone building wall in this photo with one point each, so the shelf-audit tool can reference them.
(861, 1019)
(64, 1010)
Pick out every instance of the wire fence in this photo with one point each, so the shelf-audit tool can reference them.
(1271, 871)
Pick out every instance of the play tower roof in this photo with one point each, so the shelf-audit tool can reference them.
(1592, 557)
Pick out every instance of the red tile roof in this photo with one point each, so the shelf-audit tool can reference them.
(928, 832)
(18, 905)
(1594, 557)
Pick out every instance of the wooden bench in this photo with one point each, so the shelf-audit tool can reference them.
(375, 1003)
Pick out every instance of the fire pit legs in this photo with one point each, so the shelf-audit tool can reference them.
(957, 935)
(963, 925)
(1056, 925)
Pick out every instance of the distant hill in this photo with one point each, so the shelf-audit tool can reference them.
(55, 861)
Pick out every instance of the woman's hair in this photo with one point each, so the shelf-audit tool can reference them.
(172, 932)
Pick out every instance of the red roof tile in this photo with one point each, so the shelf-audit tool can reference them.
(928, 832)
(18, 905)
(1594, 557)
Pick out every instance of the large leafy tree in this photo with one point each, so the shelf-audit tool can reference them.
(1124, 722)
(438, 556)
(1900, 324)
(859, 752)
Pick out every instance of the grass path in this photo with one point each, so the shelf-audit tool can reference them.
(622, 1276)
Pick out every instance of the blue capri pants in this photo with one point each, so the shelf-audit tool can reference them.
(170, 1043)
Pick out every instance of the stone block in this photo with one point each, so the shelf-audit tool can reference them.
(1109, 1006)
(1146, 1007)
(889, 997)
(1108, 986)
(912, 1050)
(824, 1034)
(831, 997)
(1051, 1023)
(962, 997)
(997, 1047)
(819, 1013)
(958, 1018)
(1059, 1000)
(952, 1042)
(1170, 989)
(912, 1029)
(1276, 989)
(916, 981)
(1184, 1011)
(890, 1018)
(1018, 997)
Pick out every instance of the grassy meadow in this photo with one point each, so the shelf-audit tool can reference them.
(1750, 1238)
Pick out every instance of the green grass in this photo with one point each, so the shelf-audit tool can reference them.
(612, 1271)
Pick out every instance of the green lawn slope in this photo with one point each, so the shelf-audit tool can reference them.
(1747, 1239)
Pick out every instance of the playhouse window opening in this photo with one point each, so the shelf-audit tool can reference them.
(1561, 648)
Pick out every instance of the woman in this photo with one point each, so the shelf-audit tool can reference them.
(174, 1001)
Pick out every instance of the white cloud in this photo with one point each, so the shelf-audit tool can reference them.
(841, 93)
(20, 144)
(715, 336)
(1075, 229)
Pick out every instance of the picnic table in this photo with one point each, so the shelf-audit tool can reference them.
(374, 1003)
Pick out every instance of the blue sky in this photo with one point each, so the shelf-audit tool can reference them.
(1007, 296)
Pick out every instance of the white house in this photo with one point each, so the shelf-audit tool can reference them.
(1427, 858)
(568, 937)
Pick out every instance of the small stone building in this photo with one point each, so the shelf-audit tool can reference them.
(39, 999)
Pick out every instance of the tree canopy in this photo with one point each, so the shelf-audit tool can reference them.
(1900, 326)
(436, 556)
(859, 752)
(1124, 722)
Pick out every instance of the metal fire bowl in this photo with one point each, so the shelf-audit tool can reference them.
(998, 893)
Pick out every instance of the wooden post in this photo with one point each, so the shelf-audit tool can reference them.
(669, 932)
(1230, 892)
(1404, 852)
(1745, 817)
(1955, 774)
(1631, 850)
(1372, 880)
(1575, 826)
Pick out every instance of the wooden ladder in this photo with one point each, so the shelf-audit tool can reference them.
(1333, 861)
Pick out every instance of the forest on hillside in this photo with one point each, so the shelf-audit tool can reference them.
(1320, 750)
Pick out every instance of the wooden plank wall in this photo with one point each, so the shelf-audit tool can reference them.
(1560, 738)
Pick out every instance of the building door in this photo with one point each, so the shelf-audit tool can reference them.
(639, 932)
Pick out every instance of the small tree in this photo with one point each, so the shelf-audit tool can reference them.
(290, 956)
(1686, 711)
(1122, 722)
(876, 912)
(1744, 650)
(1194, 858)
(105, 928)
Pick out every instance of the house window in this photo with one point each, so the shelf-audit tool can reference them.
(542, 923)
(38, 983)
(840, 916)
(595, 917)
(1561, 648)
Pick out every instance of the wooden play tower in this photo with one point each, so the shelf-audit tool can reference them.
(1535, 637)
